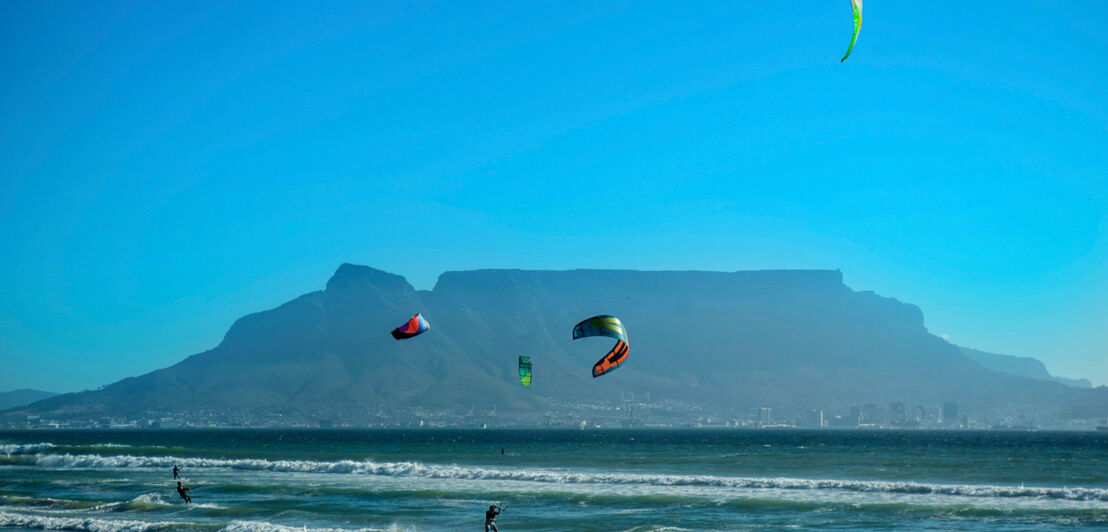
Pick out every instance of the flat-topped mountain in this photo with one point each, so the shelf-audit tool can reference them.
(792, 340)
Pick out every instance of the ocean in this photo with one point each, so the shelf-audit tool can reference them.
(601, 480)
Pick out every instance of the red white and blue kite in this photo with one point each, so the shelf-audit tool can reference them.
(413, 327)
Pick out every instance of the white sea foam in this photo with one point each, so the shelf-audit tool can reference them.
(106, 506)
(53, 505)
(419, 470)
(150, 498)
(32, 448)
(46, 522)
(652, 528)
(91, 524)
(35, 501)
(265, 527)
(262, 526)
(24, 448)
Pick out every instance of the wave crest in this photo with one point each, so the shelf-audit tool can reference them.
(262, 526)
(416, 469)
(87, 524)
(25, 448)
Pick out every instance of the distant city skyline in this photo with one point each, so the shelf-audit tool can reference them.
(627, 413)
(166, 169)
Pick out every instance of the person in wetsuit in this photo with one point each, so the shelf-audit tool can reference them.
(490, 516)
(176, 473)
(181, 491)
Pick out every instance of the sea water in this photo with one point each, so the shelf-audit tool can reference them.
(602, 480)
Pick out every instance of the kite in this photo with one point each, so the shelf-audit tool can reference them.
(413, 327)
(525, 370)
(857, 4)
(609, 326)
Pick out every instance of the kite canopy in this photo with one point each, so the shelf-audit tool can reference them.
(413, 327)
(857, 4)
(611, 327)
(525, 370)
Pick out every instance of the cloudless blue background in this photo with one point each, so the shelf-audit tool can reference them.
(168, 167)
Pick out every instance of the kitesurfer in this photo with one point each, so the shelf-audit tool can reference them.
(181, 491)
(176, 473)
(490, 517)
(501, 451)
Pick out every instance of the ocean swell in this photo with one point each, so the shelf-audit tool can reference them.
(90, 524)
(416, 469)
(24, 448)
(44, 522)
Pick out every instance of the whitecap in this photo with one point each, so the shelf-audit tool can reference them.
(87, 524)
(420, 470)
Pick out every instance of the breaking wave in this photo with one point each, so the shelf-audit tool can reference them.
(262, 526)
(33, 448)
(90, 524)
(24, 448)
(419, 470)
(44, 522)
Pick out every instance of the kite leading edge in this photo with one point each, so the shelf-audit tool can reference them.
(857, 4)
(611, 327)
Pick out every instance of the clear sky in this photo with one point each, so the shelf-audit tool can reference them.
(166, 167)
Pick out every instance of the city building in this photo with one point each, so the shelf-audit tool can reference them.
(815, 419)
(949, 414)
(898, 414)
(869, 414)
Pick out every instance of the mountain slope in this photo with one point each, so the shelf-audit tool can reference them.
(1020, 366)
(732, 341)
(22, 397)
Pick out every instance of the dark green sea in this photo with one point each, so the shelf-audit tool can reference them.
(643, 480)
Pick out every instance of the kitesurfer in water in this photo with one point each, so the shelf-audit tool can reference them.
(176, 473)
(490, 517)
(181, 491)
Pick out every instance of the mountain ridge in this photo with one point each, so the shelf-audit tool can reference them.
(1029, 367)
(732, 341)
(23, 396)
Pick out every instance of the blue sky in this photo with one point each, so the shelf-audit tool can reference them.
(168, 167)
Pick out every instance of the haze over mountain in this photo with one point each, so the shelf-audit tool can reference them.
(22, 397)
(1021, 366)
(793, 340)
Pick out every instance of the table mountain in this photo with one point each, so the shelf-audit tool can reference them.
(731, 341)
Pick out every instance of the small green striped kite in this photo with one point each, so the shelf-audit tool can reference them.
(525, 370)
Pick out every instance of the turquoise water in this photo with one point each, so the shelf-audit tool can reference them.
(442, 480)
